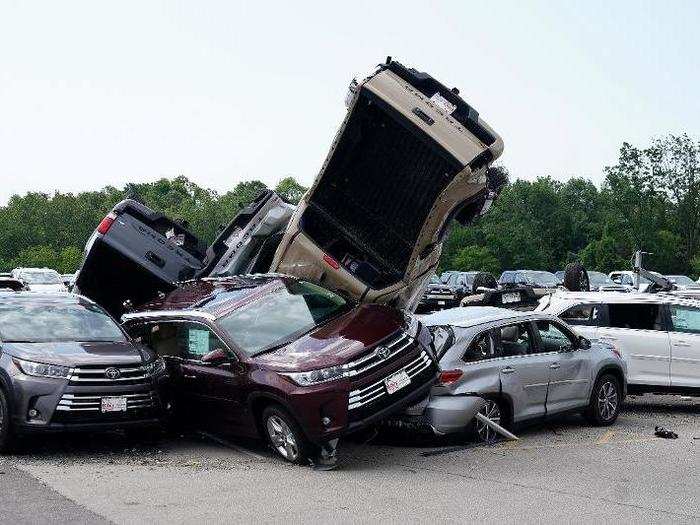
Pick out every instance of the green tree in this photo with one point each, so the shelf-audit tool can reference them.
(476, 258)
(290, 190)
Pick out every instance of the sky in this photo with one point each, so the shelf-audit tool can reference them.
(103, 93)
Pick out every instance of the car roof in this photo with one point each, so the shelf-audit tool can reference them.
(8, 296)
(467, 316)
(210, 296)
(622, 297)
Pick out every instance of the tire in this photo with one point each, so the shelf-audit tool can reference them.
(6, 434)
(576, 278)
(605, 402)
(481, 431)
(484, 280)
(285, 436)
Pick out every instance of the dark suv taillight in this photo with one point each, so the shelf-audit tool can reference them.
(106, 223)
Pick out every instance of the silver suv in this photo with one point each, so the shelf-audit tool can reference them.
(516, 366)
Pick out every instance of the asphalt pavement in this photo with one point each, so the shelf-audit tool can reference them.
(563, 470)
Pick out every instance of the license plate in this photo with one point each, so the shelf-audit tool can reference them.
(113, 404)
(511, 298)
(397, 381)
(441, 303)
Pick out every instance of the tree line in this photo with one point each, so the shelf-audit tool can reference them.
(649, 200)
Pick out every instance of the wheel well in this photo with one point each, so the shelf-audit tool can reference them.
(257, 406)
(506, 404)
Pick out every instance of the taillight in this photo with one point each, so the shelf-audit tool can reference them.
(106, 223)
(330, 261)
(449, 376)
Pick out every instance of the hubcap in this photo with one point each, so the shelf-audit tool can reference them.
(607, 400)
(282, 438)
(491, 411)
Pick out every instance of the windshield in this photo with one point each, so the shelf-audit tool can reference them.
(40, 277)
(281, 315)
(541, 278)
(683, 280)
(599, 279)
(39, 322)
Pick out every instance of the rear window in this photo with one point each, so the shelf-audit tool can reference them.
(635, 316)
(39, 322)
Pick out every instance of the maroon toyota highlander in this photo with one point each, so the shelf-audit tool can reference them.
(274, 356)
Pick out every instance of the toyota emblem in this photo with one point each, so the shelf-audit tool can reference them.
(383, 352)
(112, 373)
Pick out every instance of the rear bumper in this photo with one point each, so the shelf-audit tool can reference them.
(437, 304)
(441, 414)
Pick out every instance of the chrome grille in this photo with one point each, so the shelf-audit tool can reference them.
(126, 375)
(376, 390)
(393, 347)
(93, 402)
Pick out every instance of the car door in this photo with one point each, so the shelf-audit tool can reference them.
(523, 369)
(639, 332)
(570, 372)
(210, 395)
(685, 346)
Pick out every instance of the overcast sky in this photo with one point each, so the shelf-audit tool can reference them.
(95, 93)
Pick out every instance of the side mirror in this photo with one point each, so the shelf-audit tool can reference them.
(583, 343)
(215, 357)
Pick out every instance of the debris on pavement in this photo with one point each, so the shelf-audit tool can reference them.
(665, 433)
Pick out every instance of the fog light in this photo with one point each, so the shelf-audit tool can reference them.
(326, 421)
(33, 413)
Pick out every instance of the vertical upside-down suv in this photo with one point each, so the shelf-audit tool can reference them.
(410, 156)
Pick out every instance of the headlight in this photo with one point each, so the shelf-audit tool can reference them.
(155, 367)
(42, 370)
(314, 377)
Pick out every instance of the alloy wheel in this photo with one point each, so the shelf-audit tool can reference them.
(607, 400)
(282, 438)
(492, 411)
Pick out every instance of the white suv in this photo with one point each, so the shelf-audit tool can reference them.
(657, 334)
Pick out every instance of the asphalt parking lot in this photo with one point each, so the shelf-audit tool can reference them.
(562, 470)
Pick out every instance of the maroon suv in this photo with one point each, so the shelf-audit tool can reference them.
(273, 356)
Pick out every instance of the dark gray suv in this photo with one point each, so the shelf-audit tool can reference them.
(65, 364)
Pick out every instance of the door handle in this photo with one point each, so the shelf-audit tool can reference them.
(507, 370)
(554, 366)
(188, 376)
(681, 343)
(606, 338)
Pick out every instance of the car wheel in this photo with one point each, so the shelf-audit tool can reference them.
(285, 436)
(6, 436)
(605, 402)
(576, 278)
(481, 431)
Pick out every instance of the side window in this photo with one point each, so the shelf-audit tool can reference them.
(635, 316)
(554, 338)
(506, 341)
(626, 280)
(685, 319)
(582, 314)
(181, 340)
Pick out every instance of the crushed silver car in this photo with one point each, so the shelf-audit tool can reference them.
(514, 367)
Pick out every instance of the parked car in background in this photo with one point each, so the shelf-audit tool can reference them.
(626, 278)
(459, 285)
(40, 279)
(603, 283)
(275, 357)
(683, 282)
(540, 281)
(658, 334)
(515, 367)
(66, 365)
(410, 156)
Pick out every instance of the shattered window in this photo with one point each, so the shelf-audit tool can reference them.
(582, 314)
(685, 319)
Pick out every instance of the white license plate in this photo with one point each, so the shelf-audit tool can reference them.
(441, 303)
(113, 404)
(397, 381)
(511, 298)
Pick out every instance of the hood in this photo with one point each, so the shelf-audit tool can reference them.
(336, 342)
(76, 354)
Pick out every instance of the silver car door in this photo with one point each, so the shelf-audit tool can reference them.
(524, 370)
(570, 373)
(685, 346)
(638, 331)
